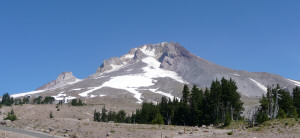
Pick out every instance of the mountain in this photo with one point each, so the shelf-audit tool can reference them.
(150, 71)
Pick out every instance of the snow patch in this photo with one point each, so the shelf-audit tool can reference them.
(162, 93)
(236, 74)
(70, 83)
(26, 93)
(102, 95)
(92, 96)
(99, 77)
(130, 56)
(265, 89)
(147, 51)
(77, 89)
(115, 67)
(63, 97)
(154, 71)
(297, 83)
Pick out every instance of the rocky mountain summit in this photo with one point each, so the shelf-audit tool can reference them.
(149, 71)
(62, 79)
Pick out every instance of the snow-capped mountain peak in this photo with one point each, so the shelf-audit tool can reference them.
(150, 71)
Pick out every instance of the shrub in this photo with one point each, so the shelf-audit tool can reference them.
(11, 116)
(51, 115)
(158, 119)
(227, 120)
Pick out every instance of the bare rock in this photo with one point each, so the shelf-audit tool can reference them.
(6, 122)
(75, 136)
(51, 128)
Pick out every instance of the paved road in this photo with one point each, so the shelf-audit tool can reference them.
(30, 133)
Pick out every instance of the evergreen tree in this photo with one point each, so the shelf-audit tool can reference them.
(121, 116)
(48, 100)
(11, 116)
(184, 108)
(185, 94)
(6, 100)
(195, 106)
(157, 119)
(25, 100)
(216, 99)
(74, 102)
(207, 106)
(166, 110)
(286, 103)
(296, 99)
(97, 116)
(103, 115)
(262, 114)
(37, 100)
(80, 103)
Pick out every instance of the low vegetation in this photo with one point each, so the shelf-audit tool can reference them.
(11, 116)
(277, 104)
(77, 103)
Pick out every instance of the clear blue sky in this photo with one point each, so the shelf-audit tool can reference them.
(40, 39)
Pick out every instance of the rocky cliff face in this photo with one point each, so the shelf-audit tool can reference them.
(62, 79)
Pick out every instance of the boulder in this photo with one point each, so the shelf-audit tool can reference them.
(51, 128)
(6, 122)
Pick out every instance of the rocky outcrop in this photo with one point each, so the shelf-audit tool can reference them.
(62, 80)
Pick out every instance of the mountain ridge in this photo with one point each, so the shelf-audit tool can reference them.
(149, 71)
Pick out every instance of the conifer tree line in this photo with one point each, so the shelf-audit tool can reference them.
(278, 104)
(219, 104)
(74, 102)
(106, 116)
(8, 101)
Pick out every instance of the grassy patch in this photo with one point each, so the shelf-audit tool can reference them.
(237, 125)
(112, 131)
(278, 124)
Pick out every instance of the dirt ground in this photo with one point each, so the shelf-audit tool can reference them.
(72, 121)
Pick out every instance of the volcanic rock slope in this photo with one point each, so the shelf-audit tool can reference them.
(150, 71)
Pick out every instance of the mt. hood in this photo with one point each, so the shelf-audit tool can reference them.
(150, 71)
